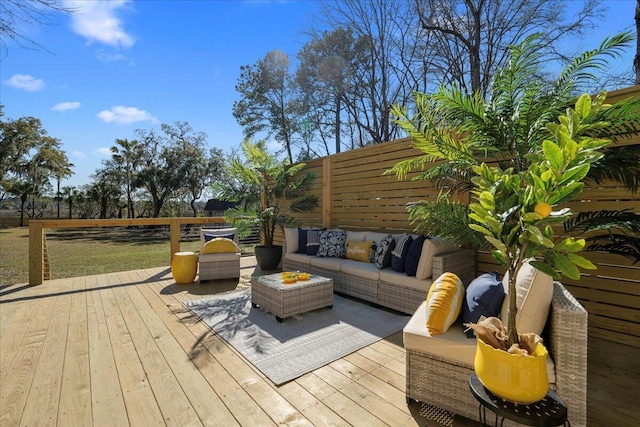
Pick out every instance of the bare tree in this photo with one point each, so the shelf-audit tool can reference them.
(15, 15)
(469, 38)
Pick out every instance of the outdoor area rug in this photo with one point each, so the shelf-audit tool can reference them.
(284, 351)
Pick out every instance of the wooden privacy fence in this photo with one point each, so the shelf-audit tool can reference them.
(37, 261)
(355, 195)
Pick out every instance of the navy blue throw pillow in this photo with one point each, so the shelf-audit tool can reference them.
(413, 256)
(483, 297)
(399, 254)
(302, 241)
(208, 237)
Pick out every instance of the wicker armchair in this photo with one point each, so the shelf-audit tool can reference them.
(445, 384)
(214, 264)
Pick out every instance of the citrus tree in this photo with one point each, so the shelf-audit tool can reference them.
(538, 145)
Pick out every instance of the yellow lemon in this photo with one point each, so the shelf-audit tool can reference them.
(543, 209)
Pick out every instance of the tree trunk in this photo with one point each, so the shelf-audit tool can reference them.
(338, 105)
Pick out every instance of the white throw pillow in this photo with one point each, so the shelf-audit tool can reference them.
(534, 291)
(291, 239)
(430, 248)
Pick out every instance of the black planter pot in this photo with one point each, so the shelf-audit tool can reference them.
(268, 258)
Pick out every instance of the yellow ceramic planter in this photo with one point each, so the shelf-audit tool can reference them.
(184, 267)
(518, 379)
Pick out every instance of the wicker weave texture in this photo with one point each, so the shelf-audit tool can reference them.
(359, 287)
(400, 298)
(566, 338)
(219, 270)
(462, 263)
(291, 300)
(446, 384)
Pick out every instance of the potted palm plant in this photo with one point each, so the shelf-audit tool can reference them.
(269, 190)
(522, 152)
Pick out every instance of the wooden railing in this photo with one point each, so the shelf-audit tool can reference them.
(37, 227)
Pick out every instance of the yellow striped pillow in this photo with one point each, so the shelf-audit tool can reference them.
(220, 245)
(444, 302)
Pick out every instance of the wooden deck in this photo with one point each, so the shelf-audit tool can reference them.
(121, 349)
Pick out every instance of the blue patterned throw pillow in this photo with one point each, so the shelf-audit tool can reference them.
(382, 258)
(332, 243)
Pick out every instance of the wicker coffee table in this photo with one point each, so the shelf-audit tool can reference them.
(269, 293)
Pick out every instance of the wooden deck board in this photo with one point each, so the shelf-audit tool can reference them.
(122, 349)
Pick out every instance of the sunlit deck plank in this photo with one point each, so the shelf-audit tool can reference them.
(176, 318)
(107, 402)
(255, 384)
(42, 403)
(176, 408)
(75, 391)
(142, 407)
(202, 396)
(376, 406)
(17, 380)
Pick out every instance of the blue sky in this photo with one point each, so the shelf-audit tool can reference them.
(122, 65)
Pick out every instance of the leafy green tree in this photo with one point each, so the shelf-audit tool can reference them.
(106, 190)
(270, 188)
(70, 193)
(29, 159)
(545, 149)
(267, 99)
(167, 161)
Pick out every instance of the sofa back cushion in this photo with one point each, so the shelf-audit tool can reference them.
(534, 291)
(431, 247)
(291, 240)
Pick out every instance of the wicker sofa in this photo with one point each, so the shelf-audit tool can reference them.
(386, 287)
(444, 381)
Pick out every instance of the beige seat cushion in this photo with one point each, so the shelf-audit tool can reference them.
(365, 270)
(452, 345)
(396, 278)
(331, 264)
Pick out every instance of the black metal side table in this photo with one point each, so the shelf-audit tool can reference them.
(549, 412)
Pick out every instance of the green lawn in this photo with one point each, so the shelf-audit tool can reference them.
(86, 251)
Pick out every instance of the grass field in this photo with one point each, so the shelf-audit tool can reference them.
(86, 251)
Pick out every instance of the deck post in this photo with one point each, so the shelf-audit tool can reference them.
(174, 232)
(35, 253)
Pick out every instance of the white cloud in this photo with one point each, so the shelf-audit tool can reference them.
(103, 152)
(125, 115)
(97, 21)
(66, 106)
(25, 82)
(78, 155)
(110, 57)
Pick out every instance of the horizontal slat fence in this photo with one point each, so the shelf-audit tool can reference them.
(355, 195)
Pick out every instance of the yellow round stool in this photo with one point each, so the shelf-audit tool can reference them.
(184, 266)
